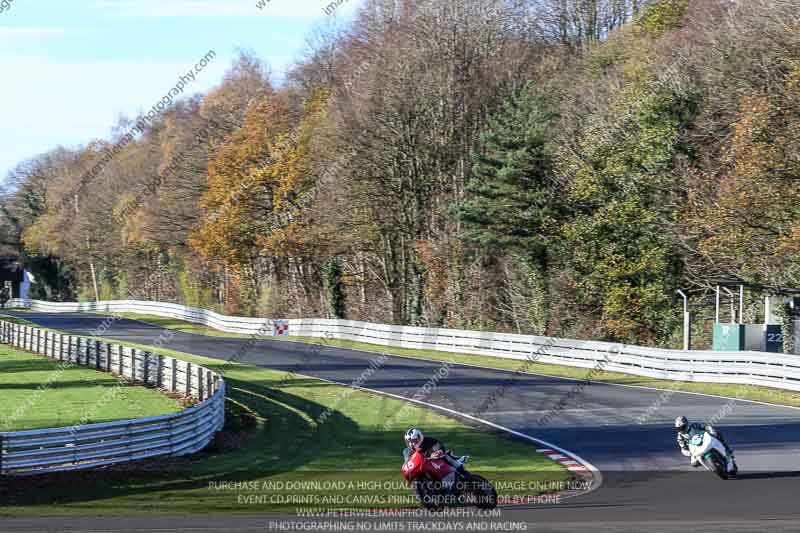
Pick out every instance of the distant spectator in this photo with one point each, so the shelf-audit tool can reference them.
(4, 297)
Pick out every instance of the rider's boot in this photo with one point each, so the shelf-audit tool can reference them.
(731, 457)
(731, 462)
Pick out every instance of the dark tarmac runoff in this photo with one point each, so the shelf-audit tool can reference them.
(647, 484)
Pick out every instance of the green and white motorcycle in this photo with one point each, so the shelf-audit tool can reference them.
(710, 452)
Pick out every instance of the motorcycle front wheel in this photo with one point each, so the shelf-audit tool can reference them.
(720, 466)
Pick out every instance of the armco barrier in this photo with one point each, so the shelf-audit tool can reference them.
(92, 445)
(232, 324)
(745, 368)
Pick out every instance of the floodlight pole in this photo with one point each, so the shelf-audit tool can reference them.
(741, 304)
(687, 322)
(733, 309)
(767, 309)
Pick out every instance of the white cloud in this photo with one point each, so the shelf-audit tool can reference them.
(216, 8)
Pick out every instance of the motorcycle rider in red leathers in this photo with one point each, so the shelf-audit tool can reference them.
(431, 448)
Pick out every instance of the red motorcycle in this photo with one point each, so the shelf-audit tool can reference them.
(435, 488)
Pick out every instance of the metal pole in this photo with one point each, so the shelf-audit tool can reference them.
(687, 331)
(731, 301)
(685, 301)
(766, 310)
(733, 309)
(687, 322)
(741, 304)
(717, 313)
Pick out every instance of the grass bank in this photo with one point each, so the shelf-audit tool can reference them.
(290, 443)
(38, 392)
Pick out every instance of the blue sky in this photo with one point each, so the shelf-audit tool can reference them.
(71, 67)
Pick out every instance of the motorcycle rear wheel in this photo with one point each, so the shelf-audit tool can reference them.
(483, 492)
(720, 465)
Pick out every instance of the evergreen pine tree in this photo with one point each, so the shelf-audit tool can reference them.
(510, 194)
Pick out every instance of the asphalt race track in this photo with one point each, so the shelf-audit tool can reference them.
(648, 485)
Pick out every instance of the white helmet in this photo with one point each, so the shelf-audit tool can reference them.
(681, 423)
(414, 438)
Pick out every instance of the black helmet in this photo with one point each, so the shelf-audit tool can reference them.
(681, 423)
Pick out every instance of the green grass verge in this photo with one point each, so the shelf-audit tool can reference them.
(762, 394)
(38, 393)
(276, 434)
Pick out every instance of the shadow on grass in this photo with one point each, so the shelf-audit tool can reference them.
(31, 364)
(267, 432)
(270, 434)
(56, 385)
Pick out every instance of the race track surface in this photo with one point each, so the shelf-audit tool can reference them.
(648, 485)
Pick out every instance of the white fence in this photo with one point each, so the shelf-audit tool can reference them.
(753, 368)
(92, 445)
(232, 324)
